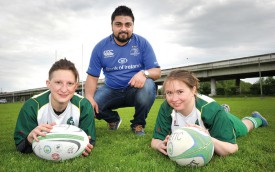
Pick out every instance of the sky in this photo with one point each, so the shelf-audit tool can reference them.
(36, 33)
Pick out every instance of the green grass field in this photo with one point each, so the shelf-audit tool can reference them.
(121, 150)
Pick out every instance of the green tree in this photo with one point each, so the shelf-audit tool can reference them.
(205, 88)
(245, 87)
(268, 86)
(226, 86)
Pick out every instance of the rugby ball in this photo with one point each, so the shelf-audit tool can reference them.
(188, 146)
(62, 143)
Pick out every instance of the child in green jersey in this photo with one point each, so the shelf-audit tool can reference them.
(185, 107)
(58, 105)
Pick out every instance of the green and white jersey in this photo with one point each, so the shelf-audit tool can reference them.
(38, 110)
(179, 120)
(206, 113)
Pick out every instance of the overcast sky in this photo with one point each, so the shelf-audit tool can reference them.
(35, 33)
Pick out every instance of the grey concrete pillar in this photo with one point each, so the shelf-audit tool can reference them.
(213, 87)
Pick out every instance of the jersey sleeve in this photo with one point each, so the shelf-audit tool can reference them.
(163, 122)
(87, 122)
(26, 122)
(149, 57)
(218, 123)
(95, 65)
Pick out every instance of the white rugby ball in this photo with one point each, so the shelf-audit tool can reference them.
(62, 143)
(188, 146)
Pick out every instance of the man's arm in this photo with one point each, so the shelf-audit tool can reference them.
(154, 73)
(90, 88)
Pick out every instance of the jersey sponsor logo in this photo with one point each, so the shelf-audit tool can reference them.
(123, 67)
(108, 53)
(134, 51)
(122, 60)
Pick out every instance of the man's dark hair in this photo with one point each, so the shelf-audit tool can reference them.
(122, 11)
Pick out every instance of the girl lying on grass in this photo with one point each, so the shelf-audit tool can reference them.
(185, 107)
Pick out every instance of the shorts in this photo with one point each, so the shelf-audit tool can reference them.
(239, 126)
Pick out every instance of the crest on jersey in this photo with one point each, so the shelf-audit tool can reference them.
(134, 51)
(70, 121)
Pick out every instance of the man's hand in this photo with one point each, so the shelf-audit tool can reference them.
(95, 105)
(138, 80)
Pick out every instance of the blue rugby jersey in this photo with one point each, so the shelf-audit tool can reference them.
(121, 63)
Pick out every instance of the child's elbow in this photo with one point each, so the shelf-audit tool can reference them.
(233, 149)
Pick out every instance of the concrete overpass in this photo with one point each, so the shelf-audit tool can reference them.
(246, 67)
(241, 68)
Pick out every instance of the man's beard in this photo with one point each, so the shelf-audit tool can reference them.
(122, 40)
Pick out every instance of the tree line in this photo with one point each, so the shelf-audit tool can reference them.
(264, 86)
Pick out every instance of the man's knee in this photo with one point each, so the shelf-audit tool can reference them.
(102, 94)
(147, 94)
(149, 86)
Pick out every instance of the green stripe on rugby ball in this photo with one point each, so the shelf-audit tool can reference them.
(61, 136)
